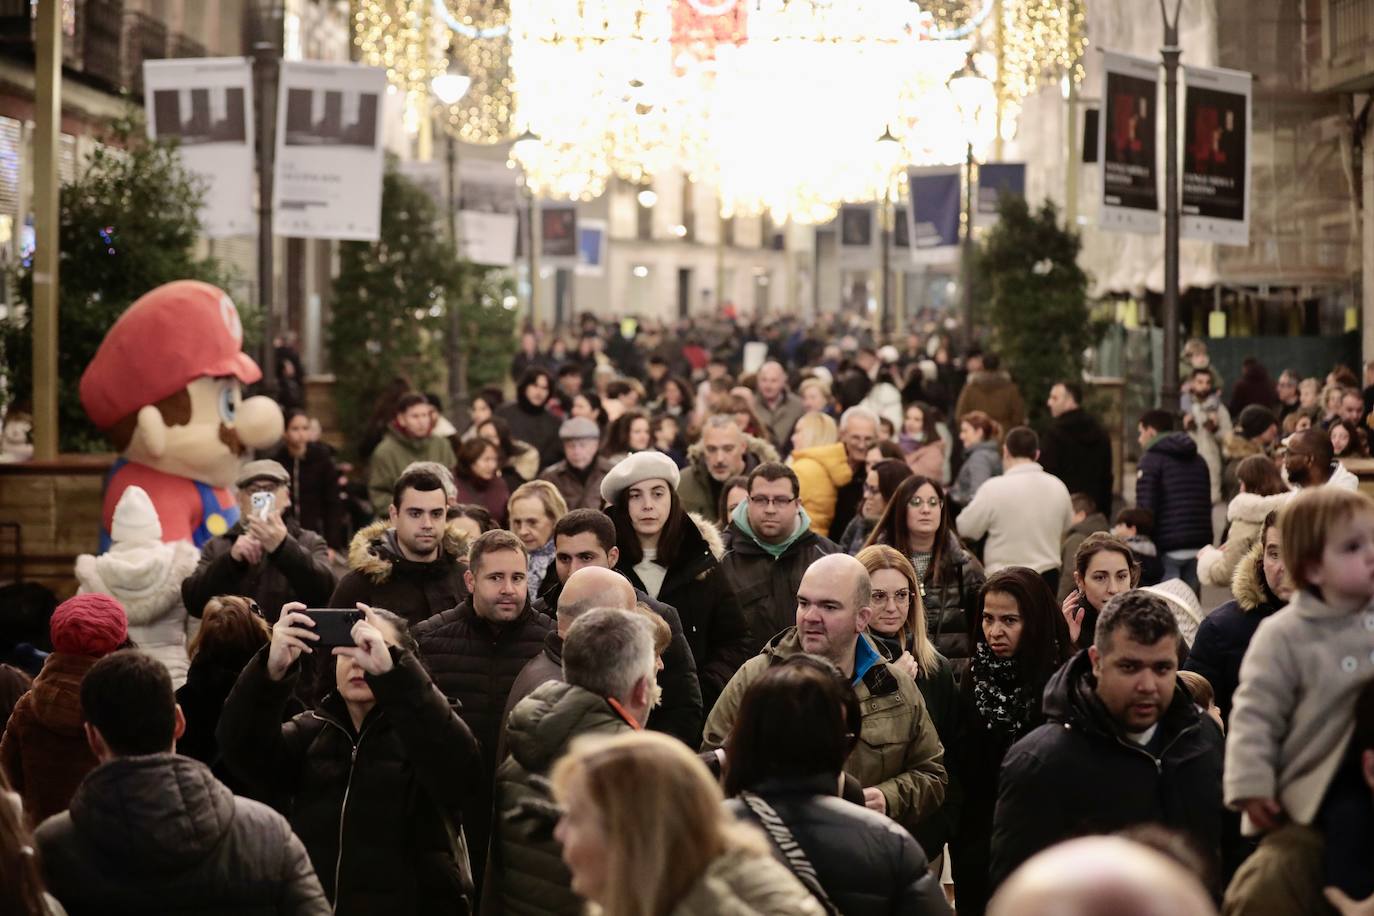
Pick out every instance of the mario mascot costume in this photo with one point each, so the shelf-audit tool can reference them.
(165, 386)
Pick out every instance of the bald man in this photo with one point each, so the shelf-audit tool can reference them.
(834, 604)
(588, 588)
(1101, 876)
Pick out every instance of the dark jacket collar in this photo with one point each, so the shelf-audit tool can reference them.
(1071, 699)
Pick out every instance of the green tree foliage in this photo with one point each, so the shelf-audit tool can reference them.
(128, 223)
(388, 313)
(1034, 296)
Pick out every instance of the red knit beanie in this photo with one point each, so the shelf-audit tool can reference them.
(93, 625)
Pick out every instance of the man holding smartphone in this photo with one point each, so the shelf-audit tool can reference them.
(266, 555)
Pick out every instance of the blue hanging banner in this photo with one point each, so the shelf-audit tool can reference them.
(933, 217)
(994, 180)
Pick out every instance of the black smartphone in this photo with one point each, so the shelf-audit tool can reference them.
(334, 626)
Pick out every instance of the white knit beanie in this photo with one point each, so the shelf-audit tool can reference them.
(135, 519)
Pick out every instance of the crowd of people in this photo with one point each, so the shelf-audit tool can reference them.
(715, 619)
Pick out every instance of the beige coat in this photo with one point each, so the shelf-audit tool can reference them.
(1246, 514)
(1294, 711)
(747, 882)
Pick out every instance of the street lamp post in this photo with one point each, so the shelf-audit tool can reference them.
(890, 149)
(972, 93)
(526, 140)
(1170, 52)
(448, 88)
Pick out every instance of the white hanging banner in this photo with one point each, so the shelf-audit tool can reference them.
(1126, 143)
(328, 177)
(206, 104)
(1216, 156)
(488, 208)
(858, 237)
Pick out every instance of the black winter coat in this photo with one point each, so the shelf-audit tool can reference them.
(867, 864)
(315, 491)
(1076, 774)
(536, 426)
(1173, 482)
(766, 588)
(379, 808)
(680, 712)
(1077, 450)
(1225, 634)
(208, 685)
(379, 576)
(977, 757)
(475, 663)
(711, 617)
(951, 600)
(159, 834)
(298, 570)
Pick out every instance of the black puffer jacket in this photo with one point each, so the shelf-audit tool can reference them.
(1225, 634)
(159, 834)
(951, 600)
(526, 871)
(379, 808)
(680, 713)
(476, 662)
(867, 864)
(380, 577)
(1173, 482)
(315, 491)
(1077, 774)
(766, 588)
(711, 616)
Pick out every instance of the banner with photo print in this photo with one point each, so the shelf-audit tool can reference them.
(994, 180)
(328, 179)
(1126, 142)
(859, 237)
(206, 106)
(1216, 156)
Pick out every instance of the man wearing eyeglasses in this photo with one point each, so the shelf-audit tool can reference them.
(771, 546)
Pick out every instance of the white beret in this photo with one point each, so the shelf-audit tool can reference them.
(638, 467)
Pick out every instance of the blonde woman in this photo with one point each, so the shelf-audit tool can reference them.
(898, 626)
(644, 832)
(534, 509)
(820, 462)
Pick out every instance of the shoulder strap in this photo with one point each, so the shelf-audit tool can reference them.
(794, 857)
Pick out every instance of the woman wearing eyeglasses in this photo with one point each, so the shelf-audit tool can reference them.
(898, 625)
(916, 521)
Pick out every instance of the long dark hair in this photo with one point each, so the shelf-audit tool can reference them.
(468, 453)
(617, 441)
(507, 448)
(1044, 644)
(892, 528)
(669, 539)
(688, 400)
(800, 719)
(891, 473)
(21, 883)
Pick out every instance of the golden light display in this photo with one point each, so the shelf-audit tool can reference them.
(776, 103)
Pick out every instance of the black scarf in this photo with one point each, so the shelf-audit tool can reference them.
(1001, 698)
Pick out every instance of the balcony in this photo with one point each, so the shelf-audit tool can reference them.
(102, 54)
(1347, 63)
(145, 38)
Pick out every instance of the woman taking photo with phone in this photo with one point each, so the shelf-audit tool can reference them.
(373, 777)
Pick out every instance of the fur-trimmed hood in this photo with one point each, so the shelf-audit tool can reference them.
(1252, 508)
(1236, 446)
(710, 533)
(753, 445)
(373, 551)
(146, 576)
(1248, 586)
